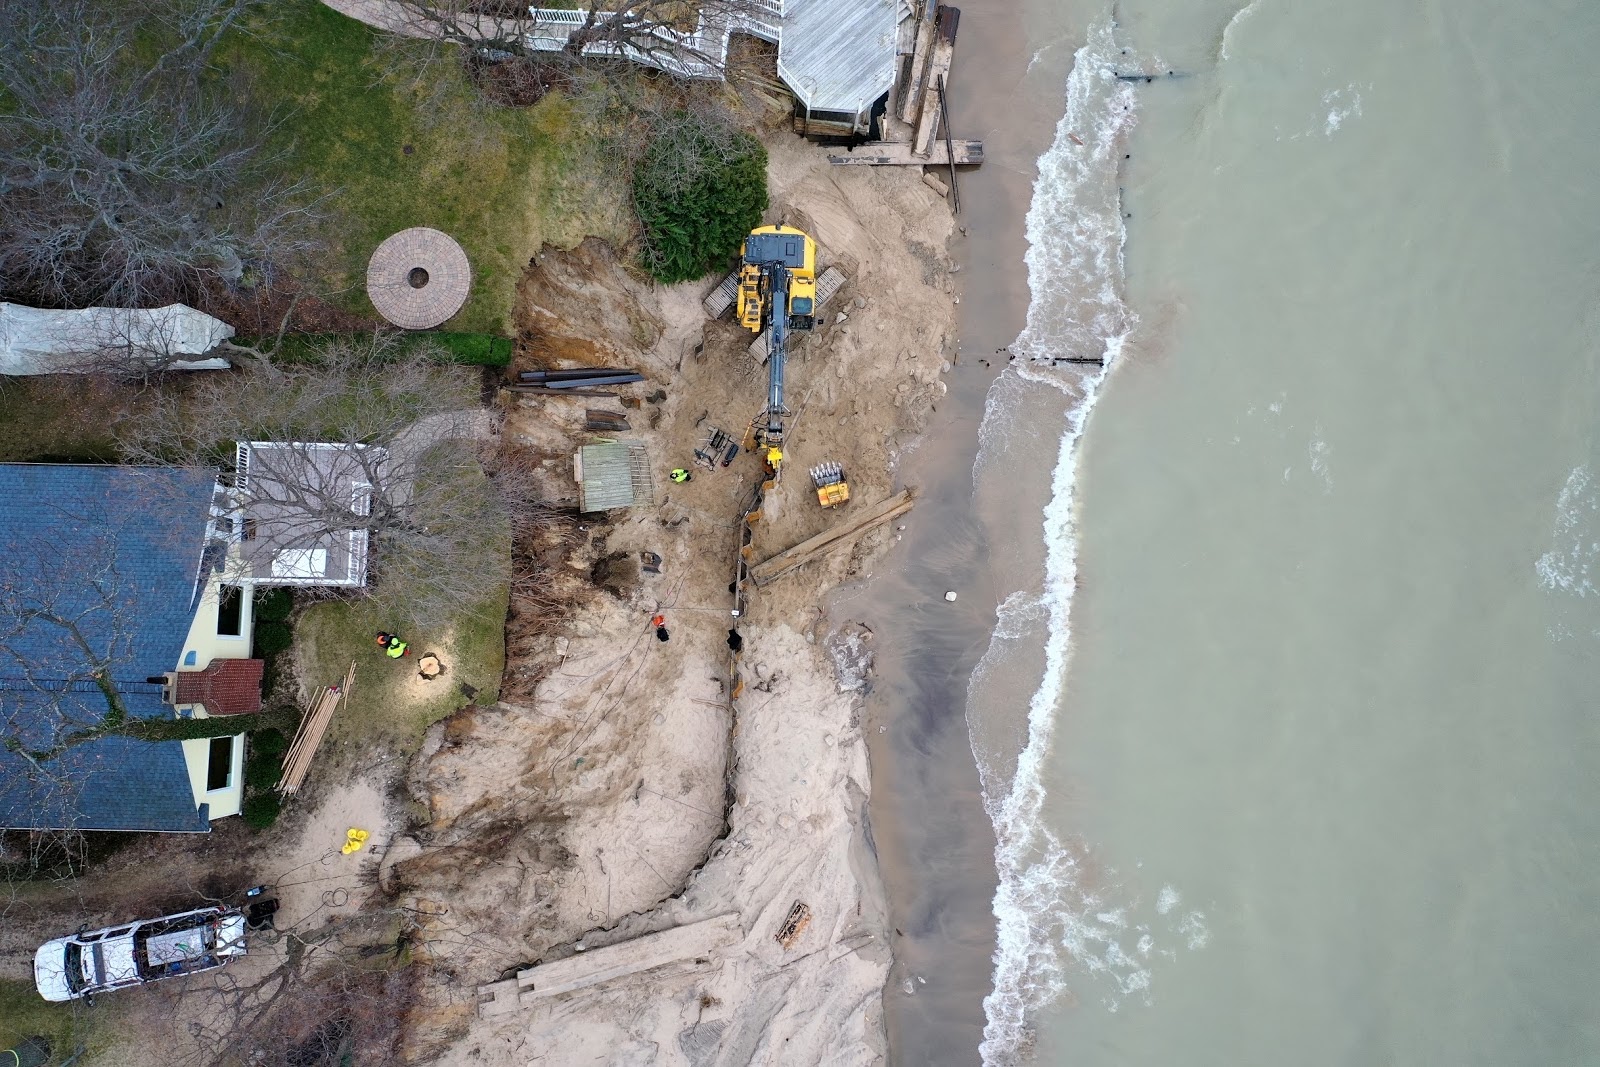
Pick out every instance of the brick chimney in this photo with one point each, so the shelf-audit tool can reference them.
(227, 687)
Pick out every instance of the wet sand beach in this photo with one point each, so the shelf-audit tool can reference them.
(934, 841)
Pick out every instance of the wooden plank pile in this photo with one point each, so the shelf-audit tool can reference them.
(848, 530)
(297, 761)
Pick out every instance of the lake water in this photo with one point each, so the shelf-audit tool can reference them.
(1289, 728)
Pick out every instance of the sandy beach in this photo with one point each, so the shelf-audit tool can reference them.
(935, 841)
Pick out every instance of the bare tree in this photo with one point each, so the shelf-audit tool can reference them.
(123, 182)
(684, 38)
(367, 434)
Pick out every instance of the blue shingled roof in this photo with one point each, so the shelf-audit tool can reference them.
(100, 569)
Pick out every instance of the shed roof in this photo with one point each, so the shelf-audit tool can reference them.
(610, 475)
(100, 572)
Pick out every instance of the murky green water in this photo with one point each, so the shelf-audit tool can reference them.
(1322, 781)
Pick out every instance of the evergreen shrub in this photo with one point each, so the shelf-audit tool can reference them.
(698, 191)
(272, 638)
(261, 810)
(274, 605)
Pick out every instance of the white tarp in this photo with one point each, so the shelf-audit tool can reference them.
(36, 341)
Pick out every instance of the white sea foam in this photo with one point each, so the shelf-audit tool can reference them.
(1044, 916)
(1239, 17)
(1570, 563)
(1194, 929)
(1321, 452)
(1167, 900)
(1342, 104)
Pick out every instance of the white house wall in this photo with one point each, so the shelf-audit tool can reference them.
(204, 644)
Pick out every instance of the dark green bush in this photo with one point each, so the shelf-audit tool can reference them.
(261, 772)
(261, 810)
(272, 638)
(274, 605)
(269, 742)
(698, 192)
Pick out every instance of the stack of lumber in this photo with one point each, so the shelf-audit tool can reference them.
(842, 533)
(297, 761)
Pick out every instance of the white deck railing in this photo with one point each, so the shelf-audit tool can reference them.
(701, 54)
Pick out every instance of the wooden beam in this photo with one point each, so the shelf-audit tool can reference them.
(307, 739)
(848, 530)
(912, 103)
(944, 50)
(901, 154)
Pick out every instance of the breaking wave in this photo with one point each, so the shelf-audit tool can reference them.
(1044, 916)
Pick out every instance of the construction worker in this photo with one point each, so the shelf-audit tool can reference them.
(679, 475)
(774, 457)
(392, 646)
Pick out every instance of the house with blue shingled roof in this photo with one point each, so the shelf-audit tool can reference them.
(112, 588)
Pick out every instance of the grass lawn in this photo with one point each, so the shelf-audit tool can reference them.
(60, 419)
(391, 152)
(388, 703)
(23, 1013)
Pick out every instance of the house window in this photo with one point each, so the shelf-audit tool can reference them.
(190, 658)
(219, 769)
(230, 612)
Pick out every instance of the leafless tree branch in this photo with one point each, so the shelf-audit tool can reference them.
(129, 184)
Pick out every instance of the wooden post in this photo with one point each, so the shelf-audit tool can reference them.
(950, 151)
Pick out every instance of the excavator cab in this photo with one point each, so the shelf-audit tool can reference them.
(767, 251)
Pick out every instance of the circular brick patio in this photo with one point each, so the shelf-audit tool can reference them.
(418, 278)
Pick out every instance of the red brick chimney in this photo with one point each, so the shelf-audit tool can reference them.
(227, 687)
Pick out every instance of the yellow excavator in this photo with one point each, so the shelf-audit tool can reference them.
(777, 293)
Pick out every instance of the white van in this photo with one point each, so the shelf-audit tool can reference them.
(83, 964)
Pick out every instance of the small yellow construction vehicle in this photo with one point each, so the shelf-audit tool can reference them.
(832, 487)
(777, 293)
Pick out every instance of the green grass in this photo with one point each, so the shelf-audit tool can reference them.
(467, 349)
(59, 419)
(23, 1013)
(390, 152)
(382, 705)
